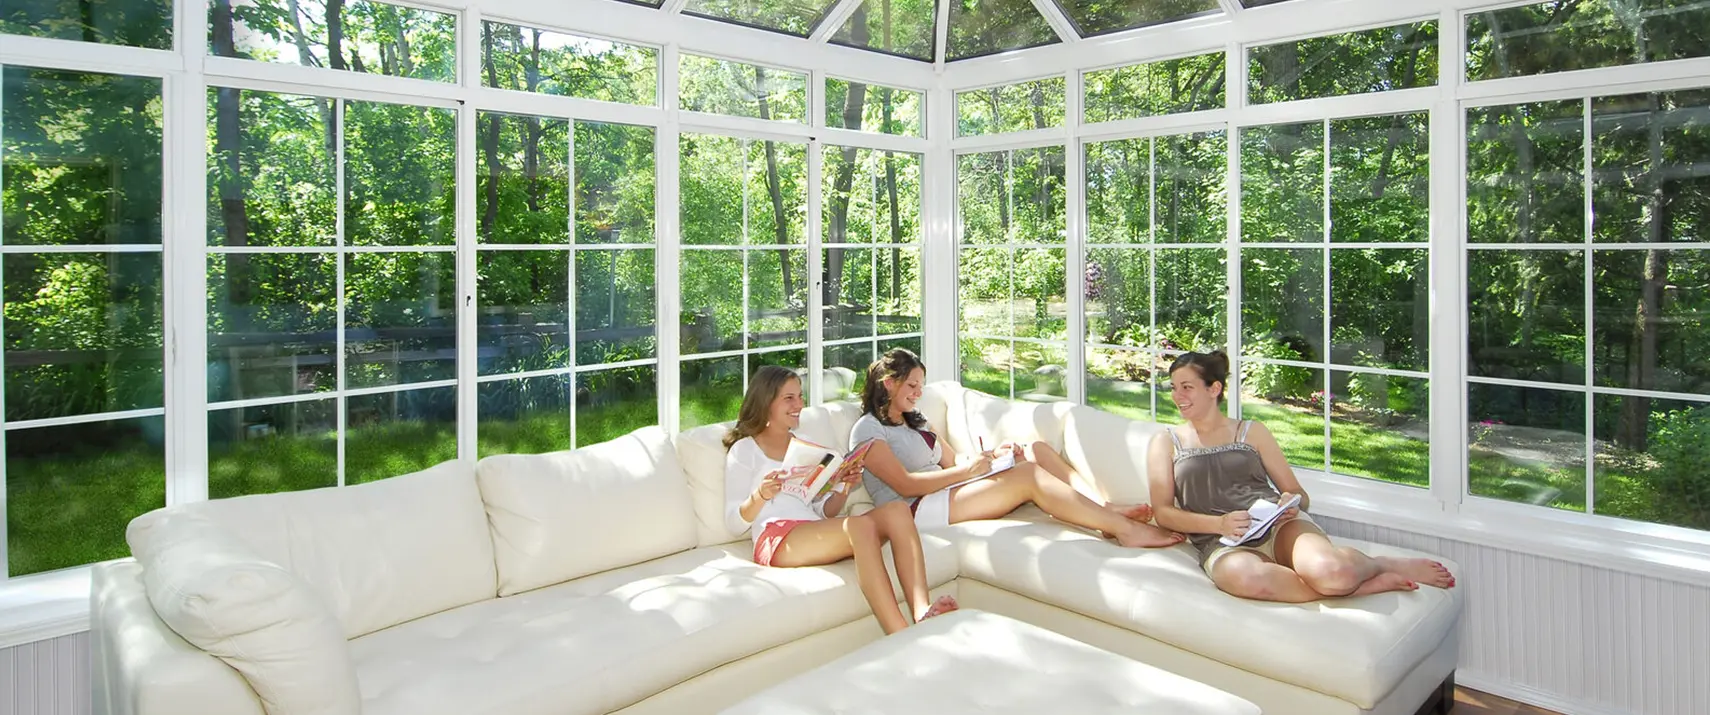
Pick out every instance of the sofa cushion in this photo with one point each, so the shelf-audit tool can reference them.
(1360, 648)
(1110, 450)
(996, 420)
(220, 596)
(701, 452)
(938, 401)
(564, 515)
(600, 643)
(830, 424)
(380, 553)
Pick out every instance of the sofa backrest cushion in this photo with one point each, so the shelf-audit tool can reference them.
(563, 515)
(701, 452)
(1111, 451)
(220, 596)
(938, 402)
(380, 553)
(996, 420)
(830, 424)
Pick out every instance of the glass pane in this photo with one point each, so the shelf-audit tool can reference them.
(986, 365)
(522, 179)
(1041, 293)
(714, 200)
(899, 290)
(873, 108)
(616, 402)
(984, 291)
(1379, 427)
(83, 333)
(1380, 181)
(712, 391)
(712, 309)
(777, 297)
(1290, 401)
(987, 27)
(1652, 320)
(524, 304)
(846, 371)
(1566, 35)
(1526, 173)
(136, 23)
(272, 448)
(400, 318)
(272, 322)
(1041, 372)
(742, 90)
(1380, 308)
(871, 196)
(794, 17)
(71, 490)
(1039, 196)
(795, 359)
(1282, 183)
(614, 183)
(1120, 381)
(80, 158)
(912, 345)
(1192, 299)
(355, 35)
(1191, 196)
(1119, 296)
(532, 60)
(1282, 303)
(1092, 17)
(1039, 104)
(399, 175)
(1189, 84)
(271, 174)
(1651, 464)
(1382, 60)
(526, 416)
(396, 433)
(1119, 191)
(614, 306)
(1526, 445)
(1650, 163)
(777, 193)
(1526, 315)
(983, 196)
(848, 295)
(898, 27)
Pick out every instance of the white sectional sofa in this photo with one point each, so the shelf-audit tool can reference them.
(602, 580)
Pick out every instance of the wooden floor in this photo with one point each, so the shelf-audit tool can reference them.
(1473, 702)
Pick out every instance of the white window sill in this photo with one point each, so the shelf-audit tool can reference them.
(44, 606)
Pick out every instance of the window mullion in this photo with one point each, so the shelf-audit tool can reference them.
(1446, 359)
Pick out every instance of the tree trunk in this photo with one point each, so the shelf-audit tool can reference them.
(780, 224)
(228, 146)
(406, 68)
(335, 34)
(490, 146)
(531, 149)
(1641, 373)
(853, 104)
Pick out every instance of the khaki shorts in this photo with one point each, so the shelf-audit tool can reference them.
(1266, 547)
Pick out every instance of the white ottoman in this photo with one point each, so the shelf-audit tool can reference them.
(976, 662)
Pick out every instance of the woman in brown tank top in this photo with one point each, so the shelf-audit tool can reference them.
(1207, 473)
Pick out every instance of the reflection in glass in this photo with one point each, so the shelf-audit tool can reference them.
(525, 416)
(776, 195)
(614, 183)
(1381, 60)
(848, 297)
(1526, 173)
(1563, 35)
(898, 299)
(986, 209)
(72, 489)
(83, 333)
(742, 90)
(898, 27)
(1291, 401)
(1039, 104)
(522, 180)
(1650, 157)
(1526, 445)
(613, 403)
(1380, 307)
(396, 433)
(1282, 183)
(871, 196)
(400, 318)
(846, 371)
(714, 200)
(1652, 320)
(614, 306)
(358, 35)
(1650, 462)
(1190, 193)
(777, 297)
(1091, 17)
(533, 60)
(711, 390)
(1282, 303)
(523, 319)
(793, 358)
(81, 158)
(1380, 179)
(988, 27)
(266, 449)
(986, 364)
(1119, 191)
(1526, 315)
(712, 310)
(873, 108)
(1041, 372)
(1119, 296)
(271, 174)
(399, 183)
(1120, 381)
(1379, 427)
(1189, 84)
(791, 17)
(272, 322)
(134, 23)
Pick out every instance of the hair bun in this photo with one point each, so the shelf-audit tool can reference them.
(1222, 359)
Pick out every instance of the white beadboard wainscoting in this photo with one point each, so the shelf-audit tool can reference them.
(1577, 639)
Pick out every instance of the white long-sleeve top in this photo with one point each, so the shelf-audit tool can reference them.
(745, 466)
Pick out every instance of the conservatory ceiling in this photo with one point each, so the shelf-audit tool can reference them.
(976, 28)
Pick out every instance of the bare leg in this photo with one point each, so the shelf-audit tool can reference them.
(831, 540)
(896, 525)
(999, 495)
(1051, 461)
(1334, 570)
(1246, 574)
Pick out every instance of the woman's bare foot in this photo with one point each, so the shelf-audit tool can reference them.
(1425, 571)
(943, 605)
(1385, 582)
(1139, 535)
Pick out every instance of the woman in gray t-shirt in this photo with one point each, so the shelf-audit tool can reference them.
(920, 468)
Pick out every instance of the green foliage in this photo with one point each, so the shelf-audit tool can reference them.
(794, 17)
(1381, 60)
(1189, 84)
(741, 90)
(985, 27)
(901, 27)
(1562, 35)
(136, 23)
(1038, 104)
(532, 60)
(372, 37)
(1272, 381)
(1681, 475)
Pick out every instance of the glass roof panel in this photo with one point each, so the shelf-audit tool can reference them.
(898, 27)
(1098, 17)
(794, 17)
(1259, 3)
(987, 27)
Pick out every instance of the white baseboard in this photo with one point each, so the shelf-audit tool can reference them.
(1530, 696)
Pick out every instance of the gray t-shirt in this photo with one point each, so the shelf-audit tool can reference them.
(918, 452)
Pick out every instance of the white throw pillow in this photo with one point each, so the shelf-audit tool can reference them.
(260, 619)
(701, 452)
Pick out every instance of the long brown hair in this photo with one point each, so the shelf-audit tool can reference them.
(1212, 367)
(763, 388)
(876, 400)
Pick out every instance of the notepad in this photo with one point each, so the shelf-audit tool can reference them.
(1265, 515)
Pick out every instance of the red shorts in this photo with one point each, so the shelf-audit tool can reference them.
(772, 537)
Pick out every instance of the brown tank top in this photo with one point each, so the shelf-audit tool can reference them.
(1218, 480)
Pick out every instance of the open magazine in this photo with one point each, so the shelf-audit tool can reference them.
(816, 469)
(1265, 515)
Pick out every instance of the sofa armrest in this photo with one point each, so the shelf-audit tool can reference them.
(141, 667)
